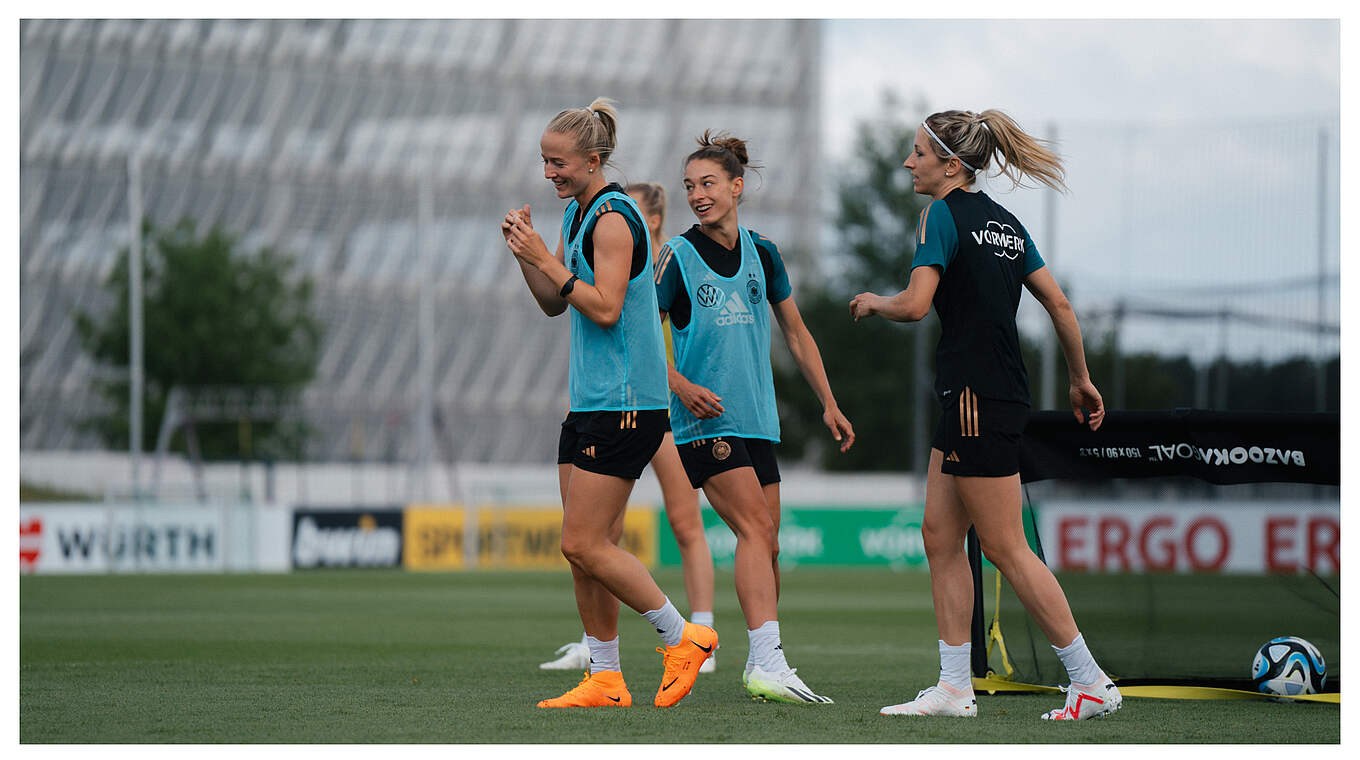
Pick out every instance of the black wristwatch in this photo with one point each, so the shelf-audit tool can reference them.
(567, 286)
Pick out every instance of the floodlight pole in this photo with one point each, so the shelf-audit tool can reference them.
(135, 354)
(425, 341)
(1320, 366)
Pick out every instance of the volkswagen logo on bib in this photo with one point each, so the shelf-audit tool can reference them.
(708, 295)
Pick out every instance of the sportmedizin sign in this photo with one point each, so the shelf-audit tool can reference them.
(434, 536)
(529, 537)
(439, 537)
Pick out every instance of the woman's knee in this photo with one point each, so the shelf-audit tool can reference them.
(687, 524)
(579, 549)
(940, 539)
(758, 530)
(688, 535)
(1003, 551)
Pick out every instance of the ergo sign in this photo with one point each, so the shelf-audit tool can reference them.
(1245, 537)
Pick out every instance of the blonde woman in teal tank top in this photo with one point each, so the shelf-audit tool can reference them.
(601, 275)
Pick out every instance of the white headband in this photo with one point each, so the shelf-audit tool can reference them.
(947, 149)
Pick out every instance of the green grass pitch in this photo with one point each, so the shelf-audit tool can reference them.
(395, 657)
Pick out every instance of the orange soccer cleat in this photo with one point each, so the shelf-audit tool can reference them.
(682, 661)
(603, 689)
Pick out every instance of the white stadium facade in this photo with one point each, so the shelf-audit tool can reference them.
(381, 155)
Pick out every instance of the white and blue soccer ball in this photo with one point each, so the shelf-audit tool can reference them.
(1288, 666)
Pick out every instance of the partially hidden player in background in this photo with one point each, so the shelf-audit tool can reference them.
(680, 499)
(717, 283)
(971, 258)
(602, 273)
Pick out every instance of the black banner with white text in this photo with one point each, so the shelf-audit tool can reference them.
(1219, 447)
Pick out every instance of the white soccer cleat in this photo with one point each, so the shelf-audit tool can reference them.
(575, 656)
(940, 699)
(1094, 701)
(781, 687)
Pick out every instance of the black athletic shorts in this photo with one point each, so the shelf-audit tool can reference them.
(980, 436)
(707, 457)
(612, 443)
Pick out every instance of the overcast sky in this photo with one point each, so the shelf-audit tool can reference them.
(1192, 149)
(1038, 70)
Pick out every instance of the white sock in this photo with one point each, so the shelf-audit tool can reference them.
(1081, 666)
(667, 622)
(767, 651)
(702, 618)
(954, 665)
(604, 655)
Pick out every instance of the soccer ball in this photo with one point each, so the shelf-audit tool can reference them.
(1288, 666)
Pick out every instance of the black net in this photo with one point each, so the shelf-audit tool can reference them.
(1178, 624)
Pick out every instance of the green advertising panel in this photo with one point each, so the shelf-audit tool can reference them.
(812, 535)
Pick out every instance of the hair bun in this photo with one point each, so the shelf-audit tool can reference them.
(736, 146)
(724, 141)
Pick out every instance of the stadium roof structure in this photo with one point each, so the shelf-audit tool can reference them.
(315, 137)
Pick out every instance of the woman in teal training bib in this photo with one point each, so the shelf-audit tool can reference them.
(718, 283)
(602, 274)
(971, 258)
(679, 498)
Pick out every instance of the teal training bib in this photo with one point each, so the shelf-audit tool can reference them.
(621, 367)
(726, 346)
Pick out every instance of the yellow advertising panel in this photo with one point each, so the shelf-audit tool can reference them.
(639, 534)
(530, 537)
(433, 536)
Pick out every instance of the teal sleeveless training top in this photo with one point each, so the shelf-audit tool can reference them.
(726, 346)
(621, 367)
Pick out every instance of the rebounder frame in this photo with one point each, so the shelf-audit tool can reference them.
(1180, 443)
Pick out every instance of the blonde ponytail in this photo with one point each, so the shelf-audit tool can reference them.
(594, 128)
(976, 137)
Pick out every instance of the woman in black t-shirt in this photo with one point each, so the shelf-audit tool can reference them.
(971, 258)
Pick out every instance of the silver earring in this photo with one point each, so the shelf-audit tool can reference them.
(592, 171)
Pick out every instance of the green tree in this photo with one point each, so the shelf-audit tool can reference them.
(1155, 381)
(868, 363)
(213, 316)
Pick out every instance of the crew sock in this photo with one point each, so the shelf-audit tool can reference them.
(667, 622)
(767, 651)
(1081, 666)
(954, 665)
(604, 655)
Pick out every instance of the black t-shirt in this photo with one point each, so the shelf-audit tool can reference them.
(984, 254)
(635, 224)
(725, 262)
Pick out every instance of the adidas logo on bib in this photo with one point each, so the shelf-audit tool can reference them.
(735, 312)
